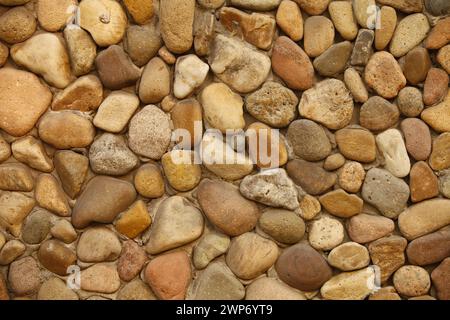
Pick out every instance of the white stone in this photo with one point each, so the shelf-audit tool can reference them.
(392, 147)
(190, 72)
(326, 233)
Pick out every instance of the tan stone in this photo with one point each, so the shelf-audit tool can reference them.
(422, 182)
(31, 151)
(310, 207)
(364, 228)
(54, 15)
(341, 204)
(319, 35)
(354, 285)
(409, 33)
(440, 156)
(388, 22)
(49, 195)
(72, 169)
(349, 256)
(84, 94)
(180, 170)
(289, 19)
(149, 181)
(351, 176)
(356, 144)
(341, 13)
(14, 207)
(134, 221)
(101, 277)
(15, 177)
(389, 254)
(438, 116)
(412, 281)
(140, 10)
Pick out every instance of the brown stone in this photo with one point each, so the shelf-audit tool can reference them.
(417, 64)
(439, 35)
(140, 10)
(85, 94)
(363, 47)
(289, 19)
(431, 248)
(185, 114)
(169, 275)
(384, 75)
(435, 87)
(378, 114)
(24, 276)
(407, 6)
(134, 221)
(15, 177)
(388, 22)
(115, 68)
(308, 140)
(72, 169)
(351, 176)
(356, 144)
(441, 277)
(319, 35)
(131, 260)
(438, 116)
(443, 57)
(422, 182)
(17, 25)
(310, 176)
(292, 64)
(66, 130)
(440, 156)
(155, 81)
(341, 204)
(23, 99)
(149, 181)
(385, 293)
(102, 200)
(226, 208)
(412, 281)
(56, 257)
(334, 60)
(302, 267)
(4, 53)
(3, 289)
(388, 254)
(364, 228)
(417, 138)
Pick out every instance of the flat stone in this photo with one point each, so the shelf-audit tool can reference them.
(98, 244)
(326, 233)
(388, 253)
(81, 48)
(149, 181)
(271, 289)
(149, 132)
(429, 249)
(354, 285)
(417, 138)
(256, 28)
(386, 192)
(271, 187)
(364, 228)
(116, 111)
(282, 225)
(319, 35)
(341, 204)
(349, 256)
(356, 85)
(36, 227)
(412, 281)
(14, 207)
(56, 289)
(378, 114)
(263, 255)
(64, 231)
(136, 290)
(351, 176)
(392, 147)
(208, 248)
(292, 64)
(102, 200)
(177, 19)
(308, 140)
(142, 43)
(66, 130)
(11, 251)
(17, 25)
(15, 177)
(24, 276)
(329, 102)
(131, 260)
(24, 99)
(423, 182)
(409, 33)
(155, 81)
(387, 24)
(341, 13)
(435, 87)
(410, 102)
(84, 94)
(440, 156)
(169, 275)
(134, 221)
(417, 64)
(45, 55)
(176, 223)
(226, 208)
(223, 109)
(273, 104)
(384, 75)
(115, 68)
(440, 277)
(310, 176)
(101, 278)
(437, 117)
(356, 144)
(237, 64)
(49, 195)
(56, 257)
(363, 47)
(72, 170)
(216, 282)
(190, 72)
(31, 152)
(289, 19)
(303, 268)
(334, 60)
